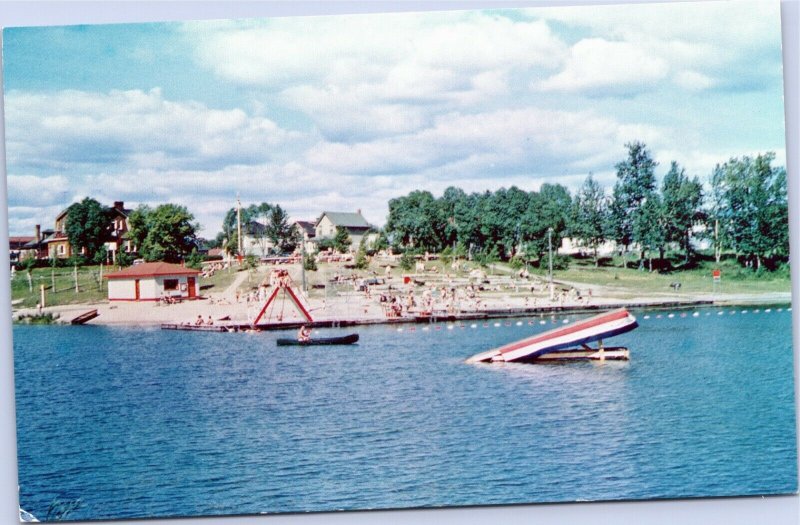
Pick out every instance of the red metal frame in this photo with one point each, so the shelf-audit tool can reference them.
(295, 300)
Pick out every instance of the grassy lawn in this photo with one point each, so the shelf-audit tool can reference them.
(59, 285)
(630, 282)
(218, 282)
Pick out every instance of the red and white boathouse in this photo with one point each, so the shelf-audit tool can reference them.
(153, 281)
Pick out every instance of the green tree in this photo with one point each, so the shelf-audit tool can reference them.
(284, 236)
(451, 198)
(682, 205)
(416, 220)
(590, 216)
(549, 209)
(750, 205)
(362, 263)
(648, 227)
(341, 241)
(501, 220)
(138, 226)
(194, 260)
(467, 221)
(170, 234)
(635, 182)
(87, 226)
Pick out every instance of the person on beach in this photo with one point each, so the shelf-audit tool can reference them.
(304, 334)
(210, 321)
(199, 320)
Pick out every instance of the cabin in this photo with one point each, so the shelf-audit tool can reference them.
(153, 281)
(355, 224)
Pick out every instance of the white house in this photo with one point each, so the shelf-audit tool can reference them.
(152, 281)
(355, 224)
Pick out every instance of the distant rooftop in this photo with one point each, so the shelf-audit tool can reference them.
(348, 220)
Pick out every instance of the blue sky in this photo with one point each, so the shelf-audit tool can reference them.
(347, 112)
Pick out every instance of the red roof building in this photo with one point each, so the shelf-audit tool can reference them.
(153, 281)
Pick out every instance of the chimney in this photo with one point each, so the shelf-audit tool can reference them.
(38, 233)
(120, 205)
(358, 211)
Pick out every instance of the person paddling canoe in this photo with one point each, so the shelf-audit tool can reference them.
(304, 334)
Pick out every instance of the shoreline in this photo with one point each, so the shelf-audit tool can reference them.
(234, 317)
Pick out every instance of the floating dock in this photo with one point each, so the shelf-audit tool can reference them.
(442, 317)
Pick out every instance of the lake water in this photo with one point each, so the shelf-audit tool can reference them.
(139, 423)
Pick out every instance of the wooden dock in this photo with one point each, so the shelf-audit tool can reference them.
(85, 317)
(434, 318)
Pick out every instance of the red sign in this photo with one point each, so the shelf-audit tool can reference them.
(717, 274)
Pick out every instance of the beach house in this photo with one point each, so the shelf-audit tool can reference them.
(153, 281)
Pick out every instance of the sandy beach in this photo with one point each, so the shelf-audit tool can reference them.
(348, 299)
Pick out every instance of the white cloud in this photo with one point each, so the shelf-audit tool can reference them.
(512, 141)
(355, 49)
(698, 45)
(694, 81)
(615, 67)
(32, 190)
(70, 128)
(379, 74)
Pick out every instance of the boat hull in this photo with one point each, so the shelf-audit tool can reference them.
(343, 340)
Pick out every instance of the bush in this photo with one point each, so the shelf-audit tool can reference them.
(407, 261)
(250, 262)
(76, 260)
(446, 256)
(309, 263)
(124, 259)
(561, 262)
(485, 258)
(515, 263)
(361, 259)
(194, 260)
(47, 318)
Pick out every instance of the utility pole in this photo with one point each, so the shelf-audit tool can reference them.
(550, 248)
(238, 226)
(303, 263)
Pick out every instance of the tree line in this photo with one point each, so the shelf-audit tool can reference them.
(741, 210)
(744, 213)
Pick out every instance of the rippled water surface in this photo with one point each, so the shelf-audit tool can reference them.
(142, 423)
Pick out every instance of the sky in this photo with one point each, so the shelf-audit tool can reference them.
(341, 113)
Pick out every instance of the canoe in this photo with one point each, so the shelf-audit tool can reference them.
(343, 340)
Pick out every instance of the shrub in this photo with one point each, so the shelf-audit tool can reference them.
(446, 256)
(309, 263)
(194, 260)
(407, 261)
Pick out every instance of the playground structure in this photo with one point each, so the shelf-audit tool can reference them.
(281, 284)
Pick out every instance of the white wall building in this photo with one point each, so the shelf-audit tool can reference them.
(153, 281)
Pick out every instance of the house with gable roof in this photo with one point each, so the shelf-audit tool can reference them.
(59, 247)
(355, 224)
